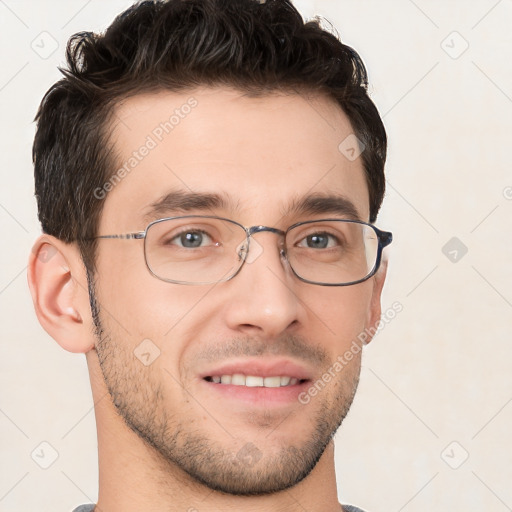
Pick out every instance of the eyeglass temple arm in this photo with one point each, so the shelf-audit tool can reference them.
(126, 236)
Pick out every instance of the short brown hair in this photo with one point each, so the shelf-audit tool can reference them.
(254, 46)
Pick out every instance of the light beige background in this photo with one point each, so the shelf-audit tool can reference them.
(436, 385)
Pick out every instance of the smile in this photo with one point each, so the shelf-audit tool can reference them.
(253, 381)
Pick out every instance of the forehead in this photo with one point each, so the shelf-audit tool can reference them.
(259, 153)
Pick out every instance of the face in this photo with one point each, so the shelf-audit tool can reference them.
(163, 346)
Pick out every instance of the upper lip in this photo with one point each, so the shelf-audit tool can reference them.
(260, 367)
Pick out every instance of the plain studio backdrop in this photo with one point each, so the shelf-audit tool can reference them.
(430, 426)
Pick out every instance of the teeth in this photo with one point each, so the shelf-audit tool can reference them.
(253, 381)
(272, 382)
(285, 381)
(238, 379)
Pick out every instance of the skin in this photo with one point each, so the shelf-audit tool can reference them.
(263, 153)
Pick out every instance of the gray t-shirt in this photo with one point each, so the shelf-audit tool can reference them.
(90, 508)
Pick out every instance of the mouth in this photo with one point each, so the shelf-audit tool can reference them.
(255, 381)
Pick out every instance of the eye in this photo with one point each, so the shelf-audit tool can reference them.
(319, 241)
(191, 239)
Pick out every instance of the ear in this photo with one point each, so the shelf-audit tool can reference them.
(374, 311)
(58, 285)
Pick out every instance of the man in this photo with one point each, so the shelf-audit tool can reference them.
(207, 172)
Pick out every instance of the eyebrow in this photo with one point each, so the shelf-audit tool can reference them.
(325, 204)
(180, 201)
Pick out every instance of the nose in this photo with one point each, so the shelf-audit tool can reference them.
(262, 298)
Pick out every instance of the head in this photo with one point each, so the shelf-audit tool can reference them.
(235, 109)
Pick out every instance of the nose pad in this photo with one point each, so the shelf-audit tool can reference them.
(242, 250)
(283, 254)
(249, 250)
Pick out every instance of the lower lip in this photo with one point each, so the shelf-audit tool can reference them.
(261, 396)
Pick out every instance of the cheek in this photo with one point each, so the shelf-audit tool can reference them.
(341, 312)
(146, 314)
(140, 303)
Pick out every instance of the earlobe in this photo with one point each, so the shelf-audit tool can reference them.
(374, 312)
(57, 284)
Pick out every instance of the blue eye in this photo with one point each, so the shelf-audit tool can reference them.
(192, 239)
(318, 241)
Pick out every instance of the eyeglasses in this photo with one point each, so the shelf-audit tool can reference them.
(202, 249)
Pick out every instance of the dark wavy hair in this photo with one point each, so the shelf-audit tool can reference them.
(254, 46)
